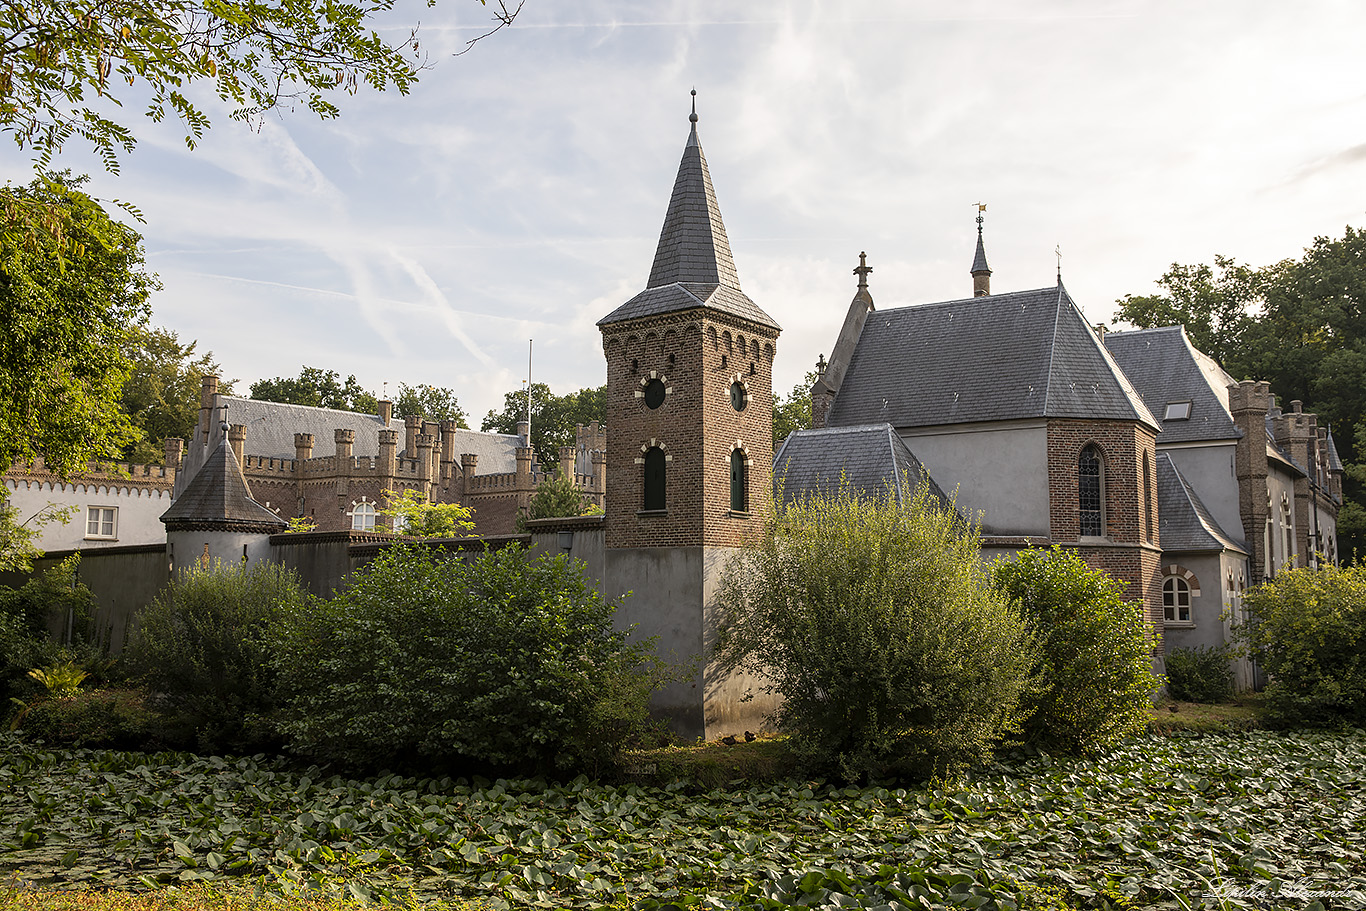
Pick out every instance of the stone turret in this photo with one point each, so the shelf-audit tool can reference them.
(1248, 403)
(237, 437)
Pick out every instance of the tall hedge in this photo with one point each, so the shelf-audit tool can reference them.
(505, 661)
(1307, 628)
(1095, 658)
(876, 622)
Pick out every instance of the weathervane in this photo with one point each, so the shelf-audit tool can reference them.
(981, 207)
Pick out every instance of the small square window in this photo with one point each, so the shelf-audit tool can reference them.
(102, 522)
(1177, 411)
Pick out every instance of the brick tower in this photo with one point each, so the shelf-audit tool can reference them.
(690, 448)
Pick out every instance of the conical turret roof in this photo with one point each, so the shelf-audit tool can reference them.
(218, 499)
(693, 266)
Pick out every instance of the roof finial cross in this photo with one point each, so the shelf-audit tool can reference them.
(1057, 251)
(863, 270)
(692, 118)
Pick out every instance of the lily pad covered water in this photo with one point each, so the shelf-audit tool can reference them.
(1243, 821)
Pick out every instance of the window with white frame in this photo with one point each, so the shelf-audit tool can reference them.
(102, 522)
(363, 516)
(1176, 600)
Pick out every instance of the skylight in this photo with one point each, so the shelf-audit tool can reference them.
(1177, 411)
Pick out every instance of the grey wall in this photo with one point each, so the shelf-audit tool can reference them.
(139, 511)
(1210, 470)
(1003, 473)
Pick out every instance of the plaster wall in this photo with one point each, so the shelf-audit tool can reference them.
(138, 519)
(188, 548)
(1001, 472)
(1210, 470)
(1281, 485)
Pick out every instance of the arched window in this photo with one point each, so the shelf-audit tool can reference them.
(1147, 500)
(739, 481)
(363, 516)
(1176, 600)
(654, 479)
(1089, 492)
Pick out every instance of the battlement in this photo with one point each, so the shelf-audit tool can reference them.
(259, 465)
(125, 476)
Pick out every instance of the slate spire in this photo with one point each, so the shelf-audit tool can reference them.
(693, 245)
(981, 272)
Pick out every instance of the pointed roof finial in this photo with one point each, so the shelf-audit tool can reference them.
(692, 118)
(981, 207)
(863, 270)
(981, 272)
(1057, 251)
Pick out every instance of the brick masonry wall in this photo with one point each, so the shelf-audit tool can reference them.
(697, 354)
(1130, 550)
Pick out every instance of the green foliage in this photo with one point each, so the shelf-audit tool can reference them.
(1215, 305)
(1200, 674)
(413, 514)
(1095, 659)
(205, 645)
(68, 65)
(103, 718)
(876, 623)
(435, 403)
(553, 417)
(317, 388)
(60, 678)
(51, 599)
(1307, 628)
(17, 550)
(794, 412)
(71, 300)
(503, 660)
(555, 496)
(1175, 822)
(161, 396)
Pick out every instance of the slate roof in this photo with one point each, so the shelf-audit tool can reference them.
(1334, 460)
(218, 498)
(1165, 367)
(1186, 525)
(867, 457)
(693, 266)
(979, 261)
(1025, 354)
(271, 427)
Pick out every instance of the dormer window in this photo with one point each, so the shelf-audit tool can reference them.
(1177, 411)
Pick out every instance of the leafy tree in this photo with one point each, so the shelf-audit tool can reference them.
(413, 514)
(1215, 305)
(70, 307)
(205, 642)
(504, 660)
(794, 412)
(317, 388)
(1307, 628)
(17, 534)
(1095, 656)
(161, 396)
(68, 63)
(555, 496)
(553, 417)
(877, 624)
(431, 402)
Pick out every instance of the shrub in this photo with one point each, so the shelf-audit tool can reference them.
(1095, 658)
(413, 514)
(205, 643)
(54, 598)
(555, 496)
(1201, 674)
(876, 623)
(1307, 627)
(117, 719)
(503, 660)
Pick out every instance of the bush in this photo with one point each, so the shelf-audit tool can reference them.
(1201, 674)
(555, 496)
(876, 623)
(51, 599)
(1307, 627)
(1095, 660)
(205, 642)
(116, 719)
(503, 661)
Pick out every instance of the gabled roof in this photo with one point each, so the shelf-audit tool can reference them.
(693, 266)
(1026, 354)
(271, 427)
(1186, 525)
(870, 459)
(1165, 367)
(218, 498)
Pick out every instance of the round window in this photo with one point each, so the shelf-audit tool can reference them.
(654, 393)
(738, 397)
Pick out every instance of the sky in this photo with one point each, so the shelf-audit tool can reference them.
(517, 193)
